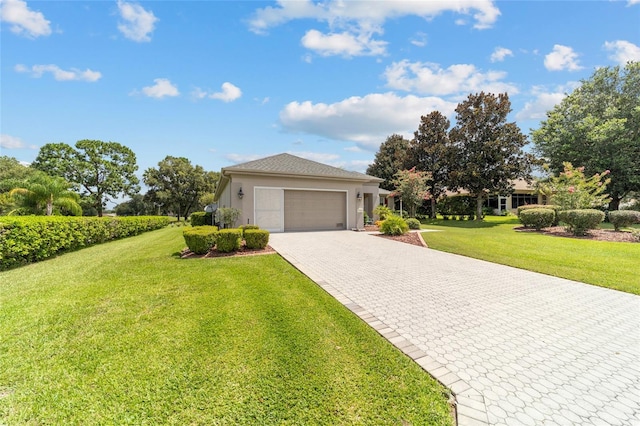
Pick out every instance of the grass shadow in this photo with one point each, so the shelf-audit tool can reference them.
(487, 222)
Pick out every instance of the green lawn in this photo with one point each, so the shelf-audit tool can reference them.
(606, 264)
(128, 333)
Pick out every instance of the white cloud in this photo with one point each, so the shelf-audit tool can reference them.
(623, 51)
(419, 40)
(161, 89)
(500, 53)
(632, 2)
(367, 120)
(430, 78)
(59, 74)
(11, 142)
(354, 148)
(562, 58)
(243, 158)
(345, 44)
(138, 23)
(544, 100)
(316, 156)
(229, 93)
(352, 24)
(22, 20)
(364, 14)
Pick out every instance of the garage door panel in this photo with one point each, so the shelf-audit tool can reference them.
(314, 210)
(269, 203)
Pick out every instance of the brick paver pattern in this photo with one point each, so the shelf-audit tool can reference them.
(515, 347)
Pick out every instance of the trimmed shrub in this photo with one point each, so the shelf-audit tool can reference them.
(413, 223)
(623, 218)
(244, 228)
(228, 240)
(198, 218)
(256, 238)
(553, 207)
(26, 239)
(394, 225)
(537, 218)
(636, 234)
(200, 239)
(580, 221)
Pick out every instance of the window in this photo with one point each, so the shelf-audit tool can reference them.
(518, 200)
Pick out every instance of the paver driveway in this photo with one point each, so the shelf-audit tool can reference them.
(516, 347)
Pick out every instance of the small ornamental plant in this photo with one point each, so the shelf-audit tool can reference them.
(537, 218)
(623, 218)
(581, 220)
(394, 225)
(200, 239)
(572, 190)
(413, 223)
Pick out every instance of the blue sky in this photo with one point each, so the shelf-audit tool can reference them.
(222, 82)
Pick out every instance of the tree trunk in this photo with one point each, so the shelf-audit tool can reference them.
(479, 208)
(614, 204)
(433, 207)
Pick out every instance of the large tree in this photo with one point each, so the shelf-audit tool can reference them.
(177, 185)
(598, 126)
(430, 151)
(488, 150)
(100, 169)
(390, 158)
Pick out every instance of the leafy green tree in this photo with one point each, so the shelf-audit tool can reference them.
(136, 206)
(44, 192)
(598, 126)
(487, 150)
(430, 151)
(411, 186)
(390, 158)
(176, 185)
(100, 169)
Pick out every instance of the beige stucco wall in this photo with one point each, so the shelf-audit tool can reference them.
(229, 197)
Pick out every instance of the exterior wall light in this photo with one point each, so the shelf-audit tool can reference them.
(240, 193)
(359, 196)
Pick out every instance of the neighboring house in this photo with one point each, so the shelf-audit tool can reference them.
(287, 193)
(523, 193)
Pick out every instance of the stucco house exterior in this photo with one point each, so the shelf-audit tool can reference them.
(523, 193)
(287, 193)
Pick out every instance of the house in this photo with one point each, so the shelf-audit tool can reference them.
(287, 193)
(523, 193)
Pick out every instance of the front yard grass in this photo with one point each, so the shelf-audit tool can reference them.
(613, 265)
(128, 333)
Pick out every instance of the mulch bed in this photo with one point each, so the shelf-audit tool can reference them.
(595, 234)
(408, 238)
(213, 253)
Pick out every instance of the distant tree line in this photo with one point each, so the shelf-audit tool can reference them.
(80, 180)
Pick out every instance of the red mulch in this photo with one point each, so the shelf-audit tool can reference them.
(408, 238)
(188, 254)
(594, 234)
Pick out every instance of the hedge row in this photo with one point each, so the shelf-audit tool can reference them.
(201, 239)
(26, 239)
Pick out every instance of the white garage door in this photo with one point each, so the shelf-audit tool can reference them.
(314, 210)
(269, 205)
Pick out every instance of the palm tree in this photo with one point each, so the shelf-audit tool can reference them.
(44, 192)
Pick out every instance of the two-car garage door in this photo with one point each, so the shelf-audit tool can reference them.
(300, 210)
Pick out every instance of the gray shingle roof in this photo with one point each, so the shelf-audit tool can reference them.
(287, 164)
